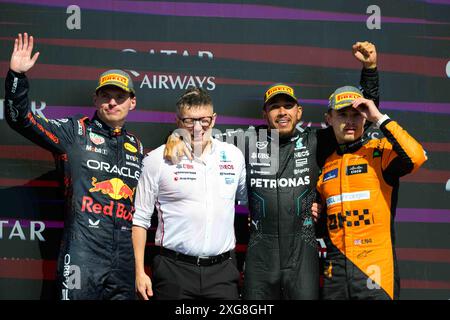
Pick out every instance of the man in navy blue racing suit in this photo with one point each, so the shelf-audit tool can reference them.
(101, 163)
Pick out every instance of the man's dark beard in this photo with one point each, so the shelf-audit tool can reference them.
(287, 134)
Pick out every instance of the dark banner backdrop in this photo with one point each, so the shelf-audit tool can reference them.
(234, 49)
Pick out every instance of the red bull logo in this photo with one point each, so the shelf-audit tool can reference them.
(113, 208)
(114, 187)
(126, 193)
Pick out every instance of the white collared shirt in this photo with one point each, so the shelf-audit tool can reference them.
(195, 200)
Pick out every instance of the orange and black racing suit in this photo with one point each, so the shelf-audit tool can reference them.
(359, 184)
(101, 170)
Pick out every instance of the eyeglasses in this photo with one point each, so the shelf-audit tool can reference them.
(190, 122)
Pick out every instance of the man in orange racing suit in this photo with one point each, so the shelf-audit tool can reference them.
(359, 185)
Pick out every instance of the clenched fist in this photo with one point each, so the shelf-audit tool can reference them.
(366, 53)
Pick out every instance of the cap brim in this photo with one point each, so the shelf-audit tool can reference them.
(115, 85)
(342, 106)
(293, 98)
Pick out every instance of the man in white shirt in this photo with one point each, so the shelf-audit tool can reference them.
(195, 202)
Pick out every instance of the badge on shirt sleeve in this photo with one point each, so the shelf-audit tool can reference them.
(330, 175)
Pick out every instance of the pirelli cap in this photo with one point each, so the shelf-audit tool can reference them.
(118, 78)
(343, 97)
(279, 88)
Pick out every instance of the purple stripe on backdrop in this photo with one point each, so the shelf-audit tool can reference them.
(55, 112)
(428, 107)
(422, 215)
(241, 209)
(196, 9)
(437, 1)
(25, 223)
(403, 215)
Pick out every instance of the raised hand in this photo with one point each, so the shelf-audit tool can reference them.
(366, 53)
(21, 60)
(176, 148)
(368, 109)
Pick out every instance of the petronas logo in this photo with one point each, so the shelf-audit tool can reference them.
(299, 144)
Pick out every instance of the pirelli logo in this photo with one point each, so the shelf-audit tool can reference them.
(347, 96)
(114, 77)
(278, 89)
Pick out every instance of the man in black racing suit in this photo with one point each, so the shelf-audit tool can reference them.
(101, 162)
(282, 258)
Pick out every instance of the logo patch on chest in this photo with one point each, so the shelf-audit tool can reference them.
(229, 180)
(130, 147)
(97, 139)
(376, 153)
(356, 169)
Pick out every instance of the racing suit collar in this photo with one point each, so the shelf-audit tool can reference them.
(106, 129)
(282, 141)
(285, 140)
(291, 138)
(352, 146)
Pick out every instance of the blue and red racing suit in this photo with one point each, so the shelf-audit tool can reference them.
(101, 169)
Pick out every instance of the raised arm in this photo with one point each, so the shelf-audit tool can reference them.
(366, 53)
(403, 154)
(50, 134)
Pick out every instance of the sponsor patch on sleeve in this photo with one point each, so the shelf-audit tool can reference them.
(330, 175)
